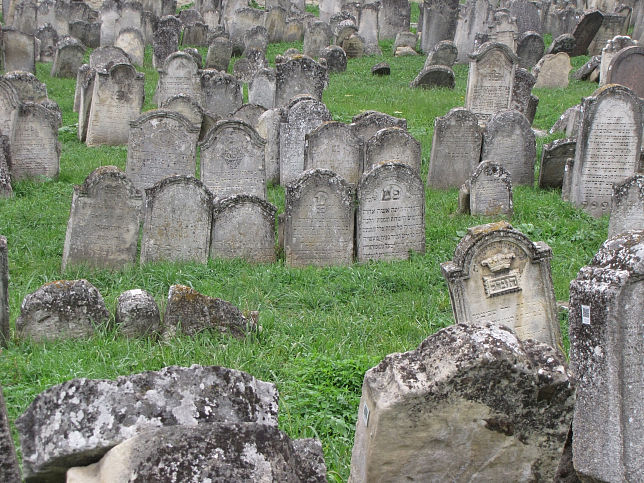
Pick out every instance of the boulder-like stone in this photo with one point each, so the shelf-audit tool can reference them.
(434, 76)
(382, 68)
(405, 51)
(564, 43)
(137, 314)
(75, 423)
(62, 309)
(469, 404)
(9, 468)
(209, 452)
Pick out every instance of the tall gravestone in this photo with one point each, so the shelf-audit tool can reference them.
(627, 206)
(390, 221)
(162, 143)
(319, 220)
(177, 221)
(474, 17)
(368, 28)
(606, 355)
(186, 106)
(9, 468)
(612, 47)
(500, 276)
(393, 144)
(585, 31)
(104, 221)
(180, 75)
(393, 17)
(166, 41)
(5, 332)
(333, 146)
(300, 75)
(18, 51)
(608, 147)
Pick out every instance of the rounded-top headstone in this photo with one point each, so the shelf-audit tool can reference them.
(137, 314)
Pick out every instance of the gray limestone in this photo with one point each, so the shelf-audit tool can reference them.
(27, 86)
(132, 42)
(553, 162)
(368, 123)
(220, 51)
(487, 192)
(440, 18)
(336, 58)
(268, 127)
(585, 31)
(393, 144)
(300, 75)
(627, 206)
(333, 146)
(222, 93)
(443, 53)
(137, 314)
(434, 76)
(552, 71)
(530, 47)
(18, 51)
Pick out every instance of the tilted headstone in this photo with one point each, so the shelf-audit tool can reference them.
(553, 162)
(368, 123)
(390, 221)
(332, 145)
(612, 24)
(48, 38)
(104, 221)
(117, 99)
(552, 71)
(568, 122)
(470, 403)
(268, 127)
(132, 42)
(606, 354)
(585, 31)
(18, 51)
(220, 51)
(627, 69)
(319, 220)
(609, 51)
(180, 75)
(474, 17)
(243, 226)
(487, 192)
(393, 17)
(434, 76)
(443, 53)
(177, 221)
(68, 58)
(222, 93)
(530, 48)
(151, 400)
(64, 309)
(456, 149)
(627, 206)
(500, 276)
(509, 141)
(5, 331)
(608, 147)
(9, 467)
(261, 89)
(232, 160)
(186, 106)
(301, 75)
(137, 314)
(392, 144)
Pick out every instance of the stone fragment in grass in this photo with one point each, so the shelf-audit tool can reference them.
(137, 314)
(381, 68)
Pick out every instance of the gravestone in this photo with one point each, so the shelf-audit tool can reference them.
(608, 147)
(368, 28)
(149, 23)
(27, 86)
(68, 58)
(606, 354)
(553, 162)
(627, 206)
(5, 330)
(268, 127)
(109, 17)
(300, 119)
(18, 51)
(35, 150)
(500, 276)
(220, 51)
(456, 149)
(177, 221)
(368, 123)
(509, 141)
(232, 160)
(474, 17)
(381, 68)
(222, 93)
(627, 69)
(585, 31)
(9, 467)
(440, 18)
(48, 38)
(393, 17)
(487, 192)
(503, 29)
(434, 76)
(255, 38)
(609, 51)
(390, 221)
(261, 89)
(405, 39)
(243, 226)
(528, 15)
(564, 43)
(392, 144)
(336, 58)
(166, 41)
(250, 114)
(300, 75)
(316, 38)
(104, 220)
(522, 98)
(568, 122)
(196, 34)
(24, 16)
(162, 143)
(552, 71)
(530, 48)
(186, 106)
(132, 42)
(137, 314)
(9, 103)
(180, 75)
(353, 46)
(117, 99)
(6, 191)
(275, 23)
(319, 220)
(490, 80)
(332, 145)
(612, 24)
(443, 53)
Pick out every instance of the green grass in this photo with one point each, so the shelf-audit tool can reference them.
(322, 328)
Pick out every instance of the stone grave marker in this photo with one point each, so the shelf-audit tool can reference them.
(528, 15)
(300, 75)
(332, 145)
(132, 42)
(390, 219)
(316, 38)
(608, 147)
(9, 467)
(552, 71)
(522, 98)
(104, 221)
(249, 113)
(180, 75)
(443, 53)
(268, 127)
(68, 58)
(255, 38)
(243, 226)
(368, 123)
(564, 43)
(456, 149)
(9, 103)
(18, 51)
(406, 41)
(5, 331)
(261, 89)
(336, 58)
(137, 314)
(162, 143)
(222, 93)
(6, 191)
(606, 354)
(196, 34)
(609, 51)
(627, 206)
(27, 86)
(368, 28)
(220, 51)
(612, 24)
(275, 23)
(24, 16)
(487, 192)
(232, 160)
(186, 106)
(48, 38)
(627, 69)
(393, 144)
(503, 29)
(500, 276)
(166, 41)
(474, 17)
(530, 47)
(393, 17)
(110, 15)
(585, 31)
(434, 76)
(177, 221)
(440, 18)
(553, 162)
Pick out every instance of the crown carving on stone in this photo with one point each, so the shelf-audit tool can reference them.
(498, 262)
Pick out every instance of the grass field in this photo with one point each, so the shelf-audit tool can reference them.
(322, 327)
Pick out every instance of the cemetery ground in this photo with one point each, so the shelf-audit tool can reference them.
(321, 328)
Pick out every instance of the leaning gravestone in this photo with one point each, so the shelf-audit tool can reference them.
(509, 141)
(627, 206)
(232, 160)
(368, 123)
(390, 221)
(243, 226)
(68, 58)
(440, 18)
(606, 354)
(104, 221)
(18, 51)
(443, 53)
(487, 192)
(177, 221)
(456, 149)
(500, 276)
(612, 24)
(319, 220)
(137, 314)
(9, 467)
(222, 93)
(180, 75)
(300, 75)
(172, 396)
(392, 144)
(64, 309)
(553, 162)
(333, 146)
(608, 147)
(5, 332)
(585, 31)
(161, 143)
(627, 69)
(469, 404)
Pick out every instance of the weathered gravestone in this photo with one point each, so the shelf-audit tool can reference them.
(18, 51)
(469, 404)
(553, 161)
(368, 28)
(64, 309)
(440, 18)
(166, 41)
(268, 127)
(304, 116)
(24, 16)
(9, 467)
(368, 123)
(392, 144)
(6, 191)
(443, 53)
(528, 15)
(474, 17)
(48, 38)
(186, 106)
(220, 51)
(261, 89)
(222, 93)
(564, 43)
(9, 104)
(552, 71)
(27, 86)
(161, 143)
(456, 149)
(180, 75)
(117, 99)
(5, 332)
(132, 42)
(490, 80)
(232, 160)
(390, 221)
(68, 58)
(487, 192)
(243, 226)
(104, 221)
(196, 34)
(249, 113)
(333, 146)
(137, 314)
(608, 147)
(606, 355)
(509, 141)
(89, 33)
(500, 276)
(405, 42)
(530, 48)
(503, 29)
(585, 31)
(110, 15)
(609, 51)
(300, 75)
(627, 206)
(319, 220)
(627, 69)
(612, 24)
(177, 221)
(116, 410)
(316, 38)
(393, 17)
(434, 76)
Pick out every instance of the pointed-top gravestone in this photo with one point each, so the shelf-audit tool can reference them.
(627, 206)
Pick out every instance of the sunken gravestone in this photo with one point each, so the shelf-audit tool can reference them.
(627, 207)
(392, 144)
(487, 192)
(137, 314)
(553, 162)
(333, 146)
(500, 276)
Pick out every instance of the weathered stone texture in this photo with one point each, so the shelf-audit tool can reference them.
(137, 314)
(9, 468)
